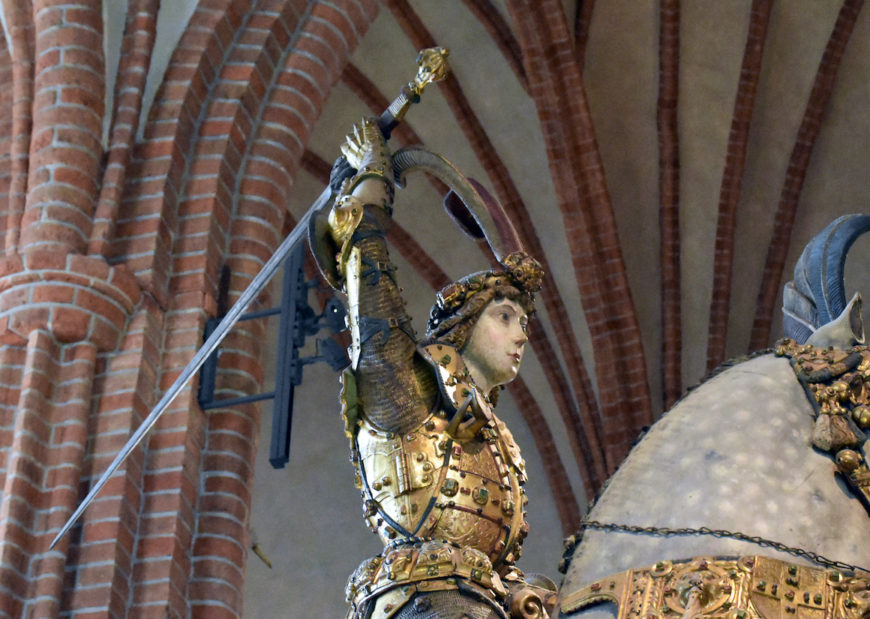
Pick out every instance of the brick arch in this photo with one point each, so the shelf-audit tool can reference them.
(207, 188)
(154, 501)
(148, 216)
(280, 129)
(581, 190)
(5, 133)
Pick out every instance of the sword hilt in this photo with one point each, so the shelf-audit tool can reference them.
(431, 67)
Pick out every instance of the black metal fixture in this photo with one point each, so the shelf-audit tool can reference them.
(298, 321)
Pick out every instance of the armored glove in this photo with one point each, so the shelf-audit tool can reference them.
(372, 186)
(365, 145)
(365, 149)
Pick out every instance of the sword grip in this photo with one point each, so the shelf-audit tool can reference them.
(393, 115)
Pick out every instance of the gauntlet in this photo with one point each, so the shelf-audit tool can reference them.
(365, 149)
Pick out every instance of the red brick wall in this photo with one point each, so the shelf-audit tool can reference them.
(110, 272)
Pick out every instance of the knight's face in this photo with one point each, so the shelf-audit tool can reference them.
(495, 347)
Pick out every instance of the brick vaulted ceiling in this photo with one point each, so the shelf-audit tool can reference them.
(666, 161)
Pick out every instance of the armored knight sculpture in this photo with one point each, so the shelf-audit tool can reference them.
(440, 475)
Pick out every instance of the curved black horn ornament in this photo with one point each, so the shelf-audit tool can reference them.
(481, 218)
(817, 294)
(827, 261)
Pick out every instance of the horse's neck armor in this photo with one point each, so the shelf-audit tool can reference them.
(735, 588)
(838, 384)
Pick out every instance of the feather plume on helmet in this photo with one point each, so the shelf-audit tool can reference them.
(458, 305)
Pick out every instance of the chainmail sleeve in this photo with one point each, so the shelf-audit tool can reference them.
(396, 388)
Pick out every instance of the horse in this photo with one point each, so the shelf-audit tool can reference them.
(732, 479)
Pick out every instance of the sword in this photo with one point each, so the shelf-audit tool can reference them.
(432, 67)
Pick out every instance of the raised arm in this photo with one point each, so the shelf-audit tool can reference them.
(395, 388)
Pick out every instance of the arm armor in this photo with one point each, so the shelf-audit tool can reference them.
(395, 387)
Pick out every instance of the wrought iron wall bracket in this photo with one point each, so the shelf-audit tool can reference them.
(298, 321)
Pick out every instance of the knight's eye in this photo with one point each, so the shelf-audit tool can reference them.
(505, 317)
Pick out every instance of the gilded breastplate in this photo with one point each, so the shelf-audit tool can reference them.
(457, 477)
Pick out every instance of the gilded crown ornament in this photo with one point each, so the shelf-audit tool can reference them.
(518, 271)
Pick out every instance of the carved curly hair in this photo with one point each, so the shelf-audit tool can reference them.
(458, 305)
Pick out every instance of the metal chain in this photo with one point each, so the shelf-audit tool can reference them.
(758, 541)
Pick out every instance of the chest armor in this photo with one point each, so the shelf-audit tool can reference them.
(457, 477)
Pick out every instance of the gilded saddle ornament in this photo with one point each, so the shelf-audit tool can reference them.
(837, 383)
(747, 587)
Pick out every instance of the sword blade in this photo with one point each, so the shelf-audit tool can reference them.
(432, 68)
(254, 288)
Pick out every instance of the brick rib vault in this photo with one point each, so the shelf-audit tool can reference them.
(101, 305)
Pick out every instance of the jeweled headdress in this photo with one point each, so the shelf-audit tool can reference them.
(518, 279)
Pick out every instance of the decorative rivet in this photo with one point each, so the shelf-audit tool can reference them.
(370, 508)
